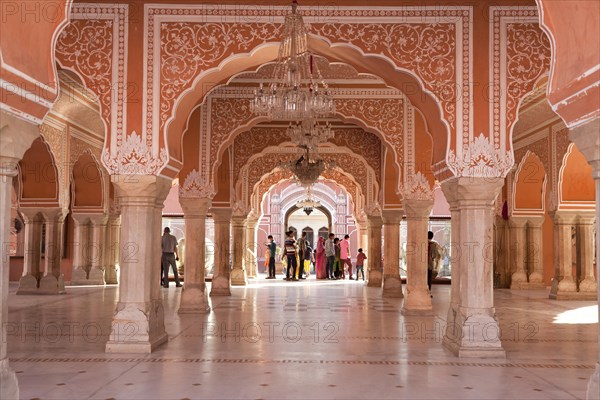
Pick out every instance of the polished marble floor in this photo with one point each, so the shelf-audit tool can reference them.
(299, 340)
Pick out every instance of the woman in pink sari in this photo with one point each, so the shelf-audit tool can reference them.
(320, 259)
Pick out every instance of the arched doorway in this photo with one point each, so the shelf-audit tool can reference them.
(312, 223)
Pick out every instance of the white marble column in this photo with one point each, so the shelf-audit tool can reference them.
(138, 324)
(477, 333)
(53, 281)
(221, 283)
(585, 239)
(363, 235)
(518, 244)
(502, 263)
(79, 273)
(193, 296)
(374, 275)
(16, 136)
(99, 223)
(238, 272)
(453, 331)
(587, 138)
(28, 284)
(535, 252)
(418, 299)
(250, 248)
(392, 283)
(111, 252)
(9, 387)
(563, 282)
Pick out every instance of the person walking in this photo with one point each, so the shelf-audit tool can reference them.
(289, 254)
(330, 255)
(434, 254)
(321, 260)
(308, 259)
(345, 256)
(302, 245)
(169, 256)
(360, 263)
(272, 248)
(339, 271)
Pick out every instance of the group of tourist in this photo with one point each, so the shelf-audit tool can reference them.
(331, 258)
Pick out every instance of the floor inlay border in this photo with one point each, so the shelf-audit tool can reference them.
(287, 361)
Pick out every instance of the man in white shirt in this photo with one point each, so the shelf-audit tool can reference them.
(169, 256)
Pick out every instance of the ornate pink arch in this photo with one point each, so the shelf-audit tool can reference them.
(435, 83)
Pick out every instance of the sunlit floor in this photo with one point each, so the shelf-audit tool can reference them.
(276, 339)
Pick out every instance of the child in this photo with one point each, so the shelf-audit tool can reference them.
(360, 263)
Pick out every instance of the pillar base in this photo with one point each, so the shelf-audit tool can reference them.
(588, 285)
(474, 336)
(563, 289)
(517, 279)
(96, 277)
(375, 278)
(567, 285)
(417, 301)
(220, 286)
(193, 300)
(28, 284)
(238, 277)
(110, 276)
(9, 389)
(593, 388)
(527, 286)
(79, 277)
(392, 286)
(578, 296)
(50, 284)
(536, 278)
(137, 328)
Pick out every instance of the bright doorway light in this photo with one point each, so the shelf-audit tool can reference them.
(581, 315)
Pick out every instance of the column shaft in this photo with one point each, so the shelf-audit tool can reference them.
(453, 330)
(111, 252)
(475, 331)
(418, 298)
(238, 273)
(138, 324)
(518, 240)
(535, 253)
(53, 280)
(585, 239)
(250, 248)
(193, 296)
(96, 275)
(9, 387)
(79, 274)
(563, 282)
(28, 283)
(374, 275)
(220, 282)
(392, 283)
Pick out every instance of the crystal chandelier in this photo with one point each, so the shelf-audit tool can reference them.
(296, 90)
(309, 133)
(307, 170)
(308, 204)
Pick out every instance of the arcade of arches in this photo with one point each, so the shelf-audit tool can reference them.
(478, 121)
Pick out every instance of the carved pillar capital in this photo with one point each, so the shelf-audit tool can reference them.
(390, 217)
(195, 206)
